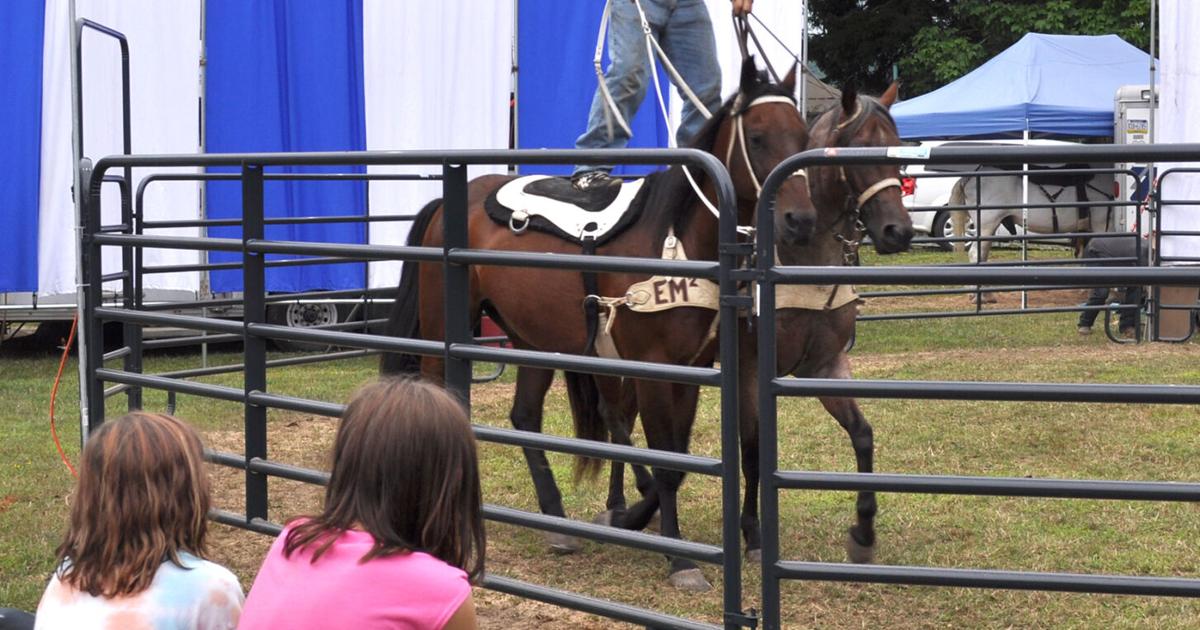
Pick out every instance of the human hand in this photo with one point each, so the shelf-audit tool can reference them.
(742, 7)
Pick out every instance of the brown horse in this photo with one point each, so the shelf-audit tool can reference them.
(542, 309)
(812, 342)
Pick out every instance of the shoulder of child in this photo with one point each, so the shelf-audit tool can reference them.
(221, 595)
(441, 582)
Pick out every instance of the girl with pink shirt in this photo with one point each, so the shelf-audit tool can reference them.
(401, 536)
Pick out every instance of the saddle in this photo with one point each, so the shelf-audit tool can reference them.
(554, 206)
(1054, 178)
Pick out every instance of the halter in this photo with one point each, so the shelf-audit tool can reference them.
(873, 189)
(850, 246)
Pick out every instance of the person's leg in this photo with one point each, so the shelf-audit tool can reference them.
(627, 78)
(691, 46)
(1098, 297)
(1129, 314)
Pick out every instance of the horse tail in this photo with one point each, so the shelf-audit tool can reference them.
(958, 218)
(404, 320)
(589, 422)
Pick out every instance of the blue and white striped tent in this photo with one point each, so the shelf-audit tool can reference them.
(300, 75)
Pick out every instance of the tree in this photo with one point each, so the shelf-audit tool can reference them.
(933, 42)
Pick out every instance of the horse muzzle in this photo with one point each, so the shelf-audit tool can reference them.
(894, 237)
(796, 228)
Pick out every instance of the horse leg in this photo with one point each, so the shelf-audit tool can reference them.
(748, 429)
(980, 250)
(860, 545)
(620, 421)
(668, 411)
(526, 415)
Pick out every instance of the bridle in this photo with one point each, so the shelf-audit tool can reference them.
(855, 203)
(739, 138)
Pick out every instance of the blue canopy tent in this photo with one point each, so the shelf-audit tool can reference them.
(1055, 84)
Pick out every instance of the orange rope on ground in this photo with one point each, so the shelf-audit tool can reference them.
(54, 395)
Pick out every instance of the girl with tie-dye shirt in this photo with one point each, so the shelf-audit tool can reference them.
(133, 555)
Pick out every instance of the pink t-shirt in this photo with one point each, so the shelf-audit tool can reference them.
(408, 590)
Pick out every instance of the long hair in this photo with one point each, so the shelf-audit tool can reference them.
(142, 499)
(405, 470)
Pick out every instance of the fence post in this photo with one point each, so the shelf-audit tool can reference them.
(768, 449)
(729, 254)
(92, 355)
(456, 285)
(131, 287)
(254, 312)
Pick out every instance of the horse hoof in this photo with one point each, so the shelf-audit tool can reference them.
(690, 580)
(563, 544)
(605, 518)
(859, 553)
(754, 556)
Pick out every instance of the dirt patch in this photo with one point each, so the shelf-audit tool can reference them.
(6, 503)
(966, 301)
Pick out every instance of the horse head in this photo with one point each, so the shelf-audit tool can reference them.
(867, 196)
(761, 126)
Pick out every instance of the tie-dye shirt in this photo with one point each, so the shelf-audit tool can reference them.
(204, 596)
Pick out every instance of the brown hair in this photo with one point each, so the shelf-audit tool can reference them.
(405, 470)
(142, 498)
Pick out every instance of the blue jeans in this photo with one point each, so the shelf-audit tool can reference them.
(685, 32)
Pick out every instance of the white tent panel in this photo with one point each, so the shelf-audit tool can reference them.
(426, 90)
(1179, 21)
(164, 65)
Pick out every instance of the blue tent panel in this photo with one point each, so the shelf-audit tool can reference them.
(288, 76)
(556, 81)
(1060, 84)
(21, 27)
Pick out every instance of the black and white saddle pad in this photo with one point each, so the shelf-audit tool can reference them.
(553, 205)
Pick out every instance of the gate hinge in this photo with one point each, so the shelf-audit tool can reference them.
(745, 620)
(745, 275)
(737, 301)
(737, 249)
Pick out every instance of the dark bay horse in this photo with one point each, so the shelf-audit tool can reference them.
(812, 343)
(542, 309)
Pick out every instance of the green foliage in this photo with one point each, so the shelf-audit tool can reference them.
(933, 42)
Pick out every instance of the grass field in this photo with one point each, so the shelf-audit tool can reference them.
(998, 439)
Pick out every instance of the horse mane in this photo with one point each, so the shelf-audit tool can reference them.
(669, 196)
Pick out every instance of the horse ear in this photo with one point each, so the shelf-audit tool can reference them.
(889, 97)
(749, 73)
(849, 99)
(789, 82)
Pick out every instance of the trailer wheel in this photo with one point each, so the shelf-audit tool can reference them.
(297, 315)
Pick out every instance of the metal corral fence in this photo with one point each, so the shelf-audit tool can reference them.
(775, 480)
(1098, 200)
(460, 348)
